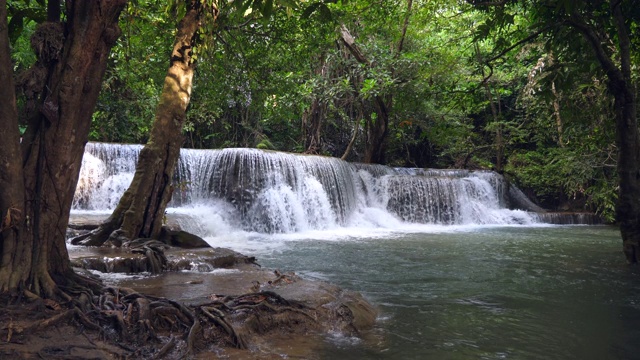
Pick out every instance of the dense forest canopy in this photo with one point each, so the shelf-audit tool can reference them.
(505, 85)
(538, 113)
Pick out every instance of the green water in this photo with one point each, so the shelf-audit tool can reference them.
(487, 293)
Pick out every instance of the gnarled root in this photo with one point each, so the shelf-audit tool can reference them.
(145, 326)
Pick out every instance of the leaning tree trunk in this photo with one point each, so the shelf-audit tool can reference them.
(38, 181)
(140, 212)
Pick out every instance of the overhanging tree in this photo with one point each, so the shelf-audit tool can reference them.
(604, 28)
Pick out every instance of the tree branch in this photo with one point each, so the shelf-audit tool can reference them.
(592, 37)
(517, 44)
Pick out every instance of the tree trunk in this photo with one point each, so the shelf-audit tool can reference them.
(499, 142)
(356, 130)
(141, 209)
(627, 138)
(38, 181)
(556, 113)
(377, 135)
(313, 119)
(628, 206)
(11, 185)
(378, 127)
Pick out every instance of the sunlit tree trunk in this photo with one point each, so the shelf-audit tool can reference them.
(140, 212)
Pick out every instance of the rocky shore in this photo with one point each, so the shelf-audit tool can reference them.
(308, 310)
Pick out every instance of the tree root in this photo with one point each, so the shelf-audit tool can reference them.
(191, 338)
(61, 317)
(166, 348)
(219, 320)
(141, 324)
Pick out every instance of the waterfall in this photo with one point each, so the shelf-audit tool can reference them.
(274, 192)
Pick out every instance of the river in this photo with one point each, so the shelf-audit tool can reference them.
(507, 292)
(459, 262)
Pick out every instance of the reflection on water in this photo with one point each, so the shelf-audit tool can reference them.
(490, 293)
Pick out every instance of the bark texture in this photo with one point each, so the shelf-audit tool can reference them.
(38, 181)
(11, 186)
(140, 212)
(627, 138)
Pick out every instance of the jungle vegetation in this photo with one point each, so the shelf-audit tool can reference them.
(541, 91)
(461, 85)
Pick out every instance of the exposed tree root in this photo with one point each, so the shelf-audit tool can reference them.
(166, 348)
(145, 326)
(74, 313)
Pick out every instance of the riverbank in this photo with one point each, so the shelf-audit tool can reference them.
(266, 313)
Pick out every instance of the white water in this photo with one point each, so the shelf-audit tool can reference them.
(241, 193)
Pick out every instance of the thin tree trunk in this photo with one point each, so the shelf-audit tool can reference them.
(556, 113)
(313, 118)
(494, 114)
(141, 209)
(39, 181)
(356, 130)
(377, 128)
(11, 177)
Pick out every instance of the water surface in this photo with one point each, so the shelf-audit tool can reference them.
(481, 293)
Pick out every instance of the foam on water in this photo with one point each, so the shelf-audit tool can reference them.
(243, 196)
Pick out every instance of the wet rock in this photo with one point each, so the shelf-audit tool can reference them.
(303, 311)
(130, 260)
(181, 239)
(87, 221)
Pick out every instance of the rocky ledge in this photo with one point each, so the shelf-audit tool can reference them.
(307, 310)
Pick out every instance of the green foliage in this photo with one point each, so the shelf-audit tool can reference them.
(135, 74)
(471, 84)
(23, 14)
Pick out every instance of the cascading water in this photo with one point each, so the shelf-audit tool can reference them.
(273, 192)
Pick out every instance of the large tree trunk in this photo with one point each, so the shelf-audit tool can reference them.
(11, 185)
(38, 182)
(627, 138)
(377, 131)
(141, 209)
(628, 207)
(628, 141)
